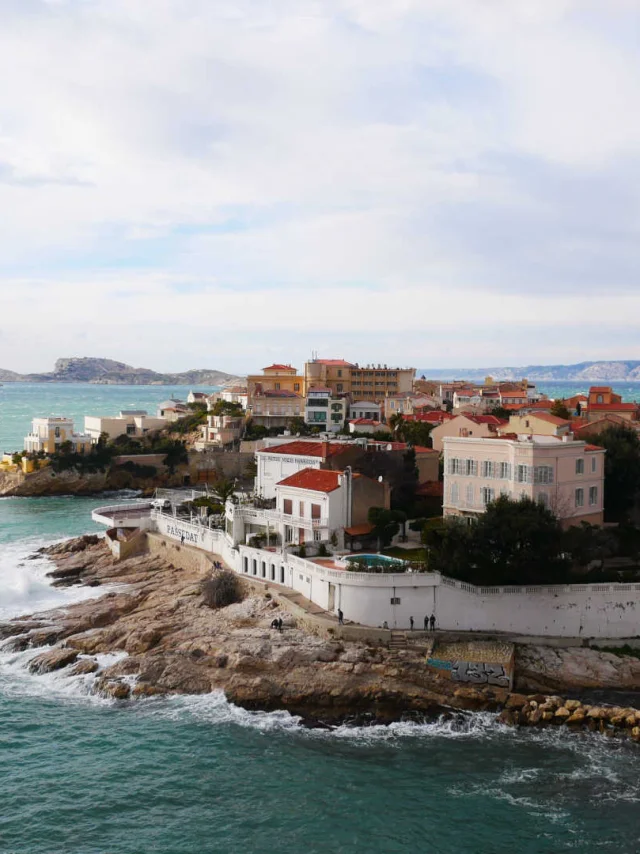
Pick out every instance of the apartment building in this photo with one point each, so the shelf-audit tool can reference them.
(477, 426)
(565, 475)
(134, 422)
(367, 382)
(275, 378)
(275, 408)
(323, 410)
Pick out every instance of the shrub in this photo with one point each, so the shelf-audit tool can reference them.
(302, 551)
(222, 589)
(322, 550)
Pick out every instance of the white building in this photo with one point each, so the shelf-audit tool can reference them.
(234, 394)
(368, 425)
(47, 434)
(278, 462)
(172, 409)
(126, 423)
(323, 411)
(221, 431)
(563, 474)
(368, 409)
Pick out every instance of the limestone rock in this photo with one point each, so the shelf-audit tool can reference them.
(83, 666)
(54, 659)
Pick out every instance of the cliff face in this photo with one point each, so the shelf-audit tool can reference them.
(606, 371)
(71, 482)
(110, 372)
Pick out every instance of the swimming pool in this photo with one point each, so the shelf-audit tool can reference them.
(374, 560)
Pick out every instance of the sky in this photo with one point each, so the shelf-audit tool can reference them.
(229, 183)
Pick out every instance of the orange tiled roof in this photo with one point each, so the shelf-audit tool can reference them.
(613, 407)
(593, 448)
(279, 368)
(316, 480)
(359, 530)
(550, 419)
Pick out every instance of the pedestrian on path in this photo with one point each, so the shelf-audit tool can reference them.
(280, 624)
(181, 539)
(426, 623)
(411, 623)
(340, 617)
(432, 620)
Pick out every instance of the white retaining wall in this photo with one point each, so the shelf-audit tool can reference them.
(576, 610)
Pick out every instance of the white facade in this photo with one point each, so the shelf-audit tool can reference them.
(272, 468)
(570, 611)
(124, 424)
(566, 476)
(365, 409)
(324, 411)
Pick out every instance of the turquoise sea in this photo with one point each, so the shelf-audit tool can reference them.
(190, 775)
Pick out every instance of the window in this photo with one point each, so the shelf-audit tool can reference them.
(57, 432)
(600, 399)
(339, 372)
(580, 466)
(317, 535)
(455, 466)
(505, 471)
(543, 498)
(523, 474)
(580, 497)
(543, 474)
(394, 600)
(254, 566)
(471, 467)
(276, 386)
(455, 493)
(301, 511)
(469, 493)
(593, 495)
(288, 534)
(487, 494)
(594, 463)
(315, 511)
(287, 507)
(296, 386)
(131, 429)
(487, 468)
(339, 387)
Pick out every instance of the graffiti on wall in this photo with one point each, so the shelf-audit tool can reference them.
(477, 673)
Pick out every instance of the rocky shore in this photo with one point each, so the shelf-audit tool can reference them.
(171, 642)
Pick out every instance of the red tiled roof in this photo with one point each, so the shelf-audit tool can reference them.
(279, 368)
(401, 446)
(486, 419)
(316, 480)
(593, 448)
(613, 407)
(281, 392)
(431, 488)
(319, 388)
(359, 530)
(599, 388)
(308, 449)
(365, 421)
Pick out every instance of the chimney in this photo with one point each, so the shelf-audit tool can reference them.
(325, 449)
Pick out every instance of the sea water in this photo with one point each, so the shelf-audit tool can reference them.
(189, 775)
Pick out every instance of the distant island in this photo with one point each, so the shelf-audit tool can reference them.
(110, 372)
(623, 371)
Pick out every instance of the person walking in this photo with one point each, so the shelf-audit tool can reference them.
(411, 623)
(426, 623)
(432, 620)
(181, 539)
(340, 618)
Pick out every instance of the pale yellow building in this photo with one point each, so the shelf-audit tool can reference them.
(47, 434)
(366, 382)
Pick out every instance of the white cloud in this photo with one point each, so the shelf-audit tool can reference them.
(299, 164)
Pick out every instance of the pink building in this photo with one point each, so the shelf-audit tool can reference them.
(563, 474)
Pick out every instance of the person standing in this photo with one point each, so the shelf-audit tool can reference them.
(340, 618)
(426, 623)
(432, 620)
(411, 623)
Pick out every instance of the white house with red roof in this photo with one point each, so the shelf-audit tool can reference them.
(481, 426)
(278, 462)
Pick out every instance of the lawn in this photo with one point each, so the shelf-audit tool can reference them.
(405, 554)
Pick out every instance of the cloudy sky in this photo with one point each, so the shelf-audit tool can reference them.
(225, 183)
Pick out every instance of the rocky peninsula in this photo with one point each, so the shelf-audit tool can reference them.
(173, 643)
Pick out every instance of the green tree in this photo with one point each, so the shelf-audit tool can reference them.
(396, 425)
(224, 489)
(417, 433)
(500, 412)
(621, 470)
(298, 425)
(224, 407)
(560, 410)
(385, 524)
(513, 542)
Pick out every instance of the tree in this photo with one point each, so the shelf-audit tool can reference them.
(225, 407)
(222, 589)
(560, 410)
(224, 489)
(513, 542)
(396, 425)
(417, 433)
(621, 470)
(298, 425)
(500, 412)
(385, 524)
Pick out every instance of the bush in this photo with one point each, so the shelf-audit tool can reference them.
(322, 551)
(222, 589)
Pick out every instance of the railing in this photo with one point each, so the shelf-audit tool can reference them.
(273, 516)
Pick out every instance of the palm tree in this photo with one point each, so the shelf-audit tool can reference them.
(224, 489)
(396, 423)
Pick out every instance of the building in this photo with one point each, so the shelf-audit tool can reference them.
(478, 426)
(197, 397)
(277, 462)
(275, 408)
(221, 431)
(537, 423)
(172, 409)
(274, 378)
(324, 411)
(127, 423)
(368, 425)
(373, 382)
(602, 400)
(365, 409)
(234, 394)
(565, 475)
(47, 434)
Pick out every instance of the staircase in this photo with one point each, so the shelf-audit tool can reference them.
(397, 642)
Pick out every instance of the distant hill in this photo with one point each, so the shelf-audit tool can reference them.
(109, 372)
(582, 371)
